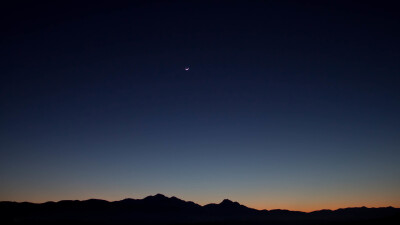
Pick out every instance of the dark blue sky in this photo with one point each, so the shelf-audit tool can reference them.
(286, 104)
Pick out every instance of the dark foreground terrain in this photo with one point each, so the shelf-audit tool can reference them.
(159, 209)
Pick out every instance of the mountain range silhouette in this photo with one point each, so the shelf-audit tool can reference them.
(159, 209)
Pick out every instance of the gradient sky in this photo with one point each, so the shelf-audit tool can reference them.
(287, 104)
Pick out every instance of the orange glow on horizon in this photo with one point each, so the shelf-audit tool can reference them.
(312, 208)
(259, 205)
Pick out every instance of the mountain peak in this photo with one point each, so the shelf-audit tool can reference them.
(160, 196)
(156, 197)
(228, 202)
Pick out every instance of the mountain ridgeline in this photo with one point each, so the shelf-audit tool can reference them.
(159, 209)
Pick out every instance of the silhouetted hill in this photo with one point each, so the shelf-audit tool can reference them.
(159, 209)
(229, 208)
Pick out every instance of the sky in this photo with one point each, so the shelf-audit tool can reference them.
(287, 104)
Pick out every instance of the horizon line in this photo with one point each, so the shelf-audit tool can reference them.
(202, 205)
